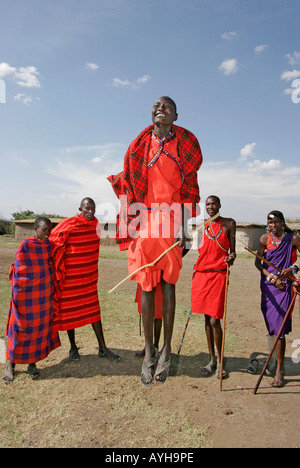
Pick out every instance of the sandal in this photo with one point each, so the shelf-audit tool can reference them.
(252, 368)
(109, 355)
(146, 375)
(74, 354)
(208, 370)
(224, 373)
(162, 370)
(9, 374)
(33, 371)
(278, 382)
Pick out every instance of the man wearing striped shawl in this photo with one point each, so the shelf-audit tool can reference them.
(75, 251)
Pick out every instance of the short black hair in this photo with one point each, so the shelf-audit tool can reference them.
(41, 219)
(216, 198)
(171, 101)
(87, 199)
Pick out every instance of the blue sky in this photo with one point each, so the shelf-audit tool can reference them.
(79, 78)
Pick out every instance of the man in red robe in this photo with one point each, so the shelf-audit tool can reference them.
(209, 280)
(75, 251)
(160, 178)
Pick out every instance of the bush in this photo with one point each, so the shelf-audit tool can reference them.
(5, 227)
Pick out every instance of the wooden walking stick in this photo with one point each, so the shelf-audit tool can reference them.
(184, 332)
(286, 317)
(224, 326)
(290, 278)
(161, 255)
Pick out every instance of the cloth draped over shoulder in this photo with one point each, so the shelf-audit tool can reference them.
(30, 335)
(275, 303)
(132, 182)
(209, 279)
(75, 251)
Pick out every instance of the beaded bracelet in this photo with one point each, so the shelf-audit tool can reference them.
(272, 278)
(295, 268)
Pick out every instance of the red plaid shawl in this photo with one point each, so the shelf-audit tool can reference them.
(133, 181)
(30, 336)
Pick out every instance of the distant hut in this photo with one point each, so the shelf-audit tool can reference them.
(246, 234)
(25, 227)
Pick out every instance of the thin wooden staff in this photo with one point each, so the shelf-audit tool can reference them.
(290, 278)
(161, 255)
(224, 326)
(184, 332)
(286, 317)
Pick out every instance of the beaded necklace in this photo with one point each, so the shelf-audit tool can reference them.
(277, 240)
(162, 150)
(213, 236)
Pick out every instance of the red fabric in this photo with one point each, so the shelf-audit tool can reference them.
(158, 299)
(75, 250)
(30, 336)
(164, 186)
(133, 181)
(209, 287)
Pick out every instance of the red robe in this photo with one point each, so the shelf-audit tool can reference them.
(209, 279)
(75, 250)
(159, 225)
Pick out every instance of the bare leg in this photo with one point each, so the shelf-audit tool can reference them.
(103, 350)
(73, 353)
(148, 321)
(157, 331)
(211, 366)
(280, 352)
(163, 366)
(217, 335)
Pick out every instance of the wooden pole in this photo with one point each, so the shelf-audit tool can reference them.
(184, 332)
(224, 326)
(286, 317)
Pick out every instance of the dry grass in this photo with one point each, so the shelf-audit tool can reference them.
(94, 403)
(97, 403)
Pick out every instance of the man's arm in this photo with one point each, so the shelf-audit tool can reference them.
(278, 282)
(231, 226)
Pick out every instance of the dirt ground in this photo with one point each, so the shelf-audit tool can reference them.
(234, 417)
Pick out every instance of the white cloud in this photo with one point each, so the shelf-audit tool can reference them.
(247, 152)
(229, 67)
(117, 82)
(290, 75)
(247, 189)
(229, 35)
(264, 167)
(82, 171)
(293, 59)
(92, 66)
(260, 48)
(25, 99)
(23, 76)
(6, 70)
